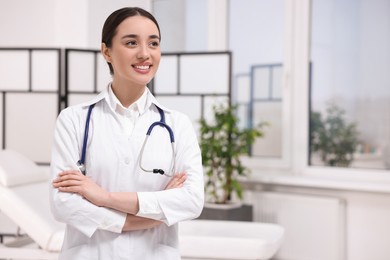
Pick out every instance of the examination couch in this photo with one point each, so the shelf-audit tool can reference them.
(24, 198)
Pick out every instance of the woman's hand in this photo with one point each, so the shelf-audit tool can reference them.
(139, 223)
(177, 181)
(74, 181)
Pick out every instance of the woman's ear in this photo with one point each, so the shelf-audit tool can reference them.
(106, 52)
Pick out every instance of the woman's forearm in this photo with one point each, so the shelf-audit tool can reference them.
(126, 202)
(75, 182)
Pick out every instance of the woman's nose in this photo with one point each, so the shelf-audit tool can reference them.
(143, 52)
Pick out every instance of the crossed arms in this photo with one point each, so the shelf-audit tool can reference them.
(73, 181)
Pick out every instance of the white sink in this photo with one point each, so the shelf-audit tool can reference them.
(214, 239)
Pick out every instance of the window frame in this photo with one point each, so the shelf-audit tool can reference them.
(293, 168)
(284, 162)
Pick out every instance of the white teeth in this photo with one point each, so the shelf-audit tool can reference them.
(142, 67)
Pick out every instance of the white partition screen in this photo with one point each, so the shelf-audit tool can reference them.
(29, 121)
(14, 69)
(194, 82)
(30, 80)
(81, 71)
(45, 70)
(87, 74)
(188, 82)
(166, 80)
(35, 85)
(205, 74)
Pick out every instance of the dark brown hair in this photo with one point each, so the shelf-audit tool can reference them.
(113, 21)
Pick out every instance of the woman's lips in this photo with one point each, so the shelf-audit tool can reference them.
(142, 68)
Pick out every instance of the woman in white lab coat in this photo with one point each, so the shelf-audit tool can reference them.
(120, 210)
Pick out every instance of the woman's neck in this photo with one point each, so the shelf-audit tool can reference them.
(127, 94)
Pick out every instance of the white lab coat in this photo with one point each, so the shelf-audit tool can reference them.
(112, 161)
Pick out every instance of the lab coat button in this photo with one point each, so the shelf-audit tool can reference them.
(127, 160)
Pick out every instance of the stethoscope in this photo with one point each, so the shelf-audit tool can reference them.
(81, 162)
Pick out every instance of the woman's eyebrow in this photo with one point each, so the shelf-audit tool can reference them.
(130, 36)
(153, 36)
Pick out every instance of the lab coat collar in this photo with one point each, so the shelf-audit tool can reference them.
(152, 100)
(104, 95)
(139, 105)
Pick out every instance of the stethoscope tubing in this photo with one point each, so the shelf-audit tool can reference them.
(172, 139)
(81, 162)
(160, 171)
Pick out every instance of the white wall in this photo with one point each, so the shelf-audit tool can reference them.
(98, 11)
(192, 25)
(196, 23)
(367, 220)
(26, 23)
(70, 23)
(171, 18)
(57, 23)
(78, 23)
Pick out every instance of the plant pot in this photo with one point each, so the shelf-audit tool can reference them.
(231, 211)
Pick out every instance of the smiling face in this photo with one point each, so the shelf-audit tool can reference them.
(134, 52)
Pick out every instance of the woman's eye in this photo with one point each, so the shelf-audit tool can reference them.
(131, 43)
(154, 44)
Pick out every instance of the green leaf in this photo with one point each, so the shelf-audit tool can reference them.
(222, 144)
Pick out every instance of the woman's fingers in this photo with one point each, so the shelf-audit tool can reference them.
(177, 181)
(75, 182)
(181, 178)
(69, 181)
(65, 183)
(70, 189)
(64, 178)
(70, 174)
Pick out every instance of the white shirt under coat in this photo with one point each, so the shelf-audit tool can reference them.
(116, 135)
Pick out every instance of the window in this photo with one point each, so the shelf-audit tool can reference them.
(350, 84)
(256, 39)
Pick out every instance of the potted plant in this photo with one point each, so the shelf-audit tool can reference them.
(334, 139)
(223, 143)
